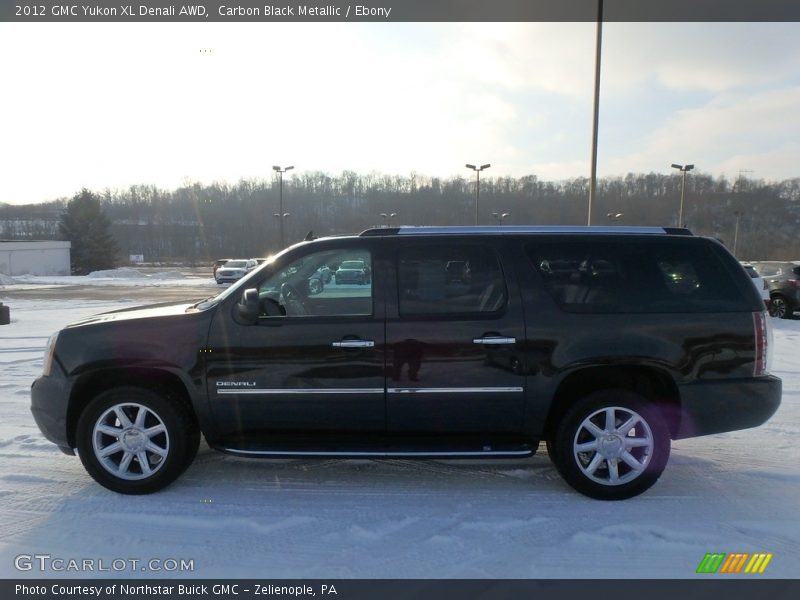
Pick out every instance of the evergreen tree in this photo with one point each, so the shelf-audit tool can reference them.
(85, 225)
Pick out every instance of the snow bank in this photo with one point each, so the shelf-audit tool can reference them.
(123, 273)
(6, 280)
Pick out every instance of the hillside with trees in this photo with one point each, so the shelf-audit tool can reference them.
(195, 222)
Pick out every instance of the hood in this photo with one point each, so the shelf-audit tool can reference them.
(139, 312)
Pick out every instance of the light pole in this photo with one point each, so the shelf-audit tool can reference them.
(501, 216)
(683, 169)
(478, 186)
(595, 110)
(280, 214)
(738, 214)
(388, 217)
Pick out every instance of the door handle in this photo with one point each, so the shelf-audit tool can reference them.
(354, 344)
(494, 340)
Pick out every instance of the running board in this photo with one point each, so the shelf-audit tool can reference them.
(376, 454)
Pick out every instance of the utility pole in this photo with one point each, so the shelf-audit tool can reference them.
(683, 169)
(595, 110)
(478, 186)
(280, 214)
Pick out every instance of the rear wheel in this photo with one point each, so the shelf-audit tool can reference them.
(134, 441)
(611, 445)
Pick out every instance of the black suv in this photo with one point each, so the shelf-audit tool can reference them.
(784, 286)
(465, 342)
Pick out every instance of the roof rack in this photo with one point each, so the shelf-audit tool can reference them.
(512, 229)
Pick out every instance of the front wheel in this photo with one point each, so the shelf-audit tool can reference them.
(611, 445)
(136, 441)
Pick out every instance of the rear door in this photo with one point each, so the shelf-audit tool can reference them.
(454, 328)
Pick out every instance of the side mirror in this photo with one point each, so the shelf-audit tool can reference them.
(246, 311)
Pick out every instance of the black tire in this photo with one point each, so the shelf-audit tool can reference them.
(179, 440)
(600, 484)
(779, 307)
(551, 451)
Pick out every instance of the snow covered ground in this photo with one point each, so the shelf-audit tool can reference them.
(124, 277)
(735, 492)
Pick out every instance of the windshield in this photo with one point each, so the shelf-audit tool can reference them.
(352, 264)
(236, 264)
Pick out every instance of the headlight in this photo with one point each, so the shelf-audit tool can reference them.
(48, 354)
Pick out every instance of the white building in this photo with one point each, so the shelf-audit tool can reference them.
(34, 258)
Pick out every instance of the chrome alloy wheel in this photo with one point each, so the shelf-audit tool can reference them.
(613, 446)
(130, 441)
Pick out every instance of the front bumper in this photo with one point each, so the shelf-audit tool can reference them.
(49, 405)
(350, 279)
(727, 405)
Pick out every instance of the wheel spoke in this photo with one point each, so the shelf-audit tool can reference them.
(140, 417)
(594, 464)
(633, 442)
(632, 462)
(592, 428)
(151, 447)
(111, 449)
(122, 417)
(586, 447)
(610, 420)
(625, 428)
(144, 463)
(613, 470)
(125, 462)
(154, 430)
(108, 430)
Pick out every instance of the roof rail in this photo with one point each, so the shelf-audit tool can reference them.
(511, 229)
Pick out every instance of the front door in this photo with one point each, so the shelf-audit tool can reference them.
(314, 361)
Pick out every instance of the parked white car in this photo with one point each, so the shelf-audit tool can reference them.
(761, 284)
(234, 270)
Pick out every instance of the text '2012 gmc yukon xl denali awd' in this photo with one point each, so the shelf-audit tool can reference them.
(606, 343)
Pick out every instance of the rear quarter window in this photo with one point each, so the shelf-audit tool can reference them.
(636, 276)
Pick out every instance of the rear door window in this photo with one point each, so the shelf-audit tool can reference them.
(645, 276)
(450, 279)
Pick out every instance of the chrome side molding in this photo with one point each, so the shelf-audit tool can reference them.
(354, 344)
(494, 340)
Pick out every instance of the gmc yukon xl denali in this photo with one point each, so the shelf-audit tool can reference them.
(605, 343)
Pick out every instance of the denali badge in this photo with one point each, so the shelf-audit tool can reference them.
(236, 384)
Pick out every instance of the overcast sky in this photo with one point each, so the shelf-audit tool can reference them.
(113, 104)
